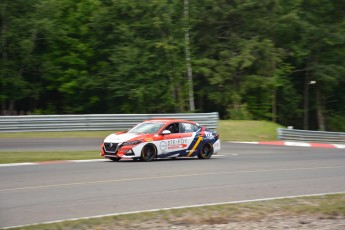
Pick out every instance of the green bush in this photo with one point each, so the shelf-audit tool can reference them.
(336, 123)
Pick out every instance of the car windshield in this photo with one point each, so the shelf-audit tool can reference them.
(146, 127)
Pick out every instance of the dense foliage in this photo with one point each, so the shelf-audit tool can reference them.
(251, 59)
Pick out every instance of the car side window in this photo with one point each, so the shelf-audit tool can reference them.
(173, 128)
(188, 128)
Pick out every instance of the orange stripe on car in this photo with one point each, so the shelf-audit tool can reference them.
(195, 146)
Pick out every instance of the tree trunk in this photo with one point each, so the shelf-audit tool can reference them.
(4, 53)
(11, 108)
(306, 94)
(188, 61)
(319, 110)
(274, 105)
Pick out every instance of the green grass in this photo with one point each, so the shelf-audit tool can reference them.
(72, 134)
(247, 130)
(319, 207)
(37, 156)
(228, 130)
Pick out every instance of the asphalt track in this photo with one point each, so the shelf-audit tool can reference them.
(49, 192)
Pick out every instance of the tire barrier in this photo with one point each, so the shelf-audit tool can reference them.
(311, 136)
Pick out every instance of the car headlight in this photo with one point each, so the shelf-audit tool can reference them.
(132, 142)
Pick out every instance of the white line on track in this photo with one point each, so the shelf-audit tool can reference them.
(17, 164)
(51, 162)
(293, 144)
(69, 161)
(178, 207)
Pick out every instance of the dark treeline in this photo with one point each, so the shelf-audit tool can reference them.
(250, 59)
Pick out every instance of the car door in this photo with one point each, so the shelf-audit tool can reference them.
(191, 131)
(176, 142)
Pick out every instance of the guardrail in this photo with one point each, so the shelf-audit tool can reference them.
(36, 123)
(311, 136)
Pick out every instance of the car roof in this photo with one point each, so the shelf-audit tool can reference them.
(169, 120)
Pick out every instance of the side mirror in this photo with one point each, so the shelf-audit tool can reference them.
(166, 132)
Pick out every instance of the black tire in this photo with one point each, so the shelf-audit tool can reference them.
(148, 153)
(114, 158)
(206, 151)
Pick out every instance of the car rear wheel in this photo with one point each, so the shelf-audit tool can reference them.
(206, 151)
(148, 153)
(114, 158)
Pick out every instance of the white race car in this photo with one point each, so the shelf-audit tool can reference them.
(162, 138)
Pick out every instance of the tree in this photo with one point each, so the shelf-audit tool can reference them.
(18, 65)
(251, 59)
(142, 48)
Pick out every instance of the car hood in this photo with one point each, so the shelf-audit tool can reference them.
(119, 138)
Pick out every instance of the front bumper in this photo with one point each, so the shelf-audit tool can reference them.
(117, 150)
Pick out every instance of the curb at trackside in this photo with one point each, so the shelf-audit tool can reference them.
(296, 144)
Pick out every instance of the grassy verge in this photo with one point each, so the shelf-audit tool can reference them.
(19, 157)
(72, 134)
(312, 209)
(247, 130)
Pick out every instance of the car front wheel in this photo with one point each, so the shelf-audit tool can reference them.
(148, 153)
